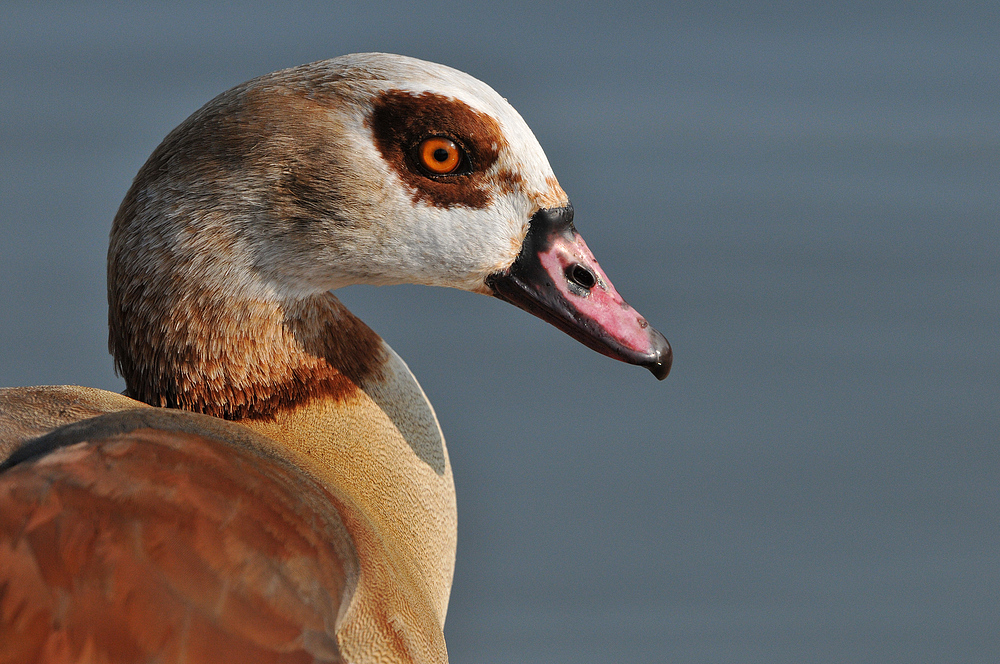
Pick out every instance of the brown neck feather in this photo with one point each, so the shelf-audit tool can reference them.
(243, 359)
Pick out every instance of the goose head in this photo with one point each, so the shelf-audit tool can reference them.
(365, 169)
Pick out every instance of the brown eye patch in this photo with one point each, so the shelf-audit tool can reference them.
(402, 122)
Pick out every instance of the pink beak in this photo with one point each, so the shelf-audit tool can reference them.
(556, 278)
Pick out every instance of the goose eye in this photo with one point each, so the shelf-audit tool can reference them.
(439, 155)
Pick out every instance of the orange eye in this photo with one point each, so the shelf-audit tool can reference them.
(439, 155)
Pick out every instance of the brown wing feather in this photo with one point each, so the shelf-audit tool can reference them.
(136, 543)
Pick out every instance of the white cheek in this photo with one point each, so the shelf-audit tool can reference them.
(456, 246)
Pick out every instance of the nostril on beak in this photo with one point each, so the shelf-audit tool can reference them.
(582, 276)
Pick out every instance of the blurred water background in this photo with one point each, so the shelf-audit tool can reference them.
(804, 200)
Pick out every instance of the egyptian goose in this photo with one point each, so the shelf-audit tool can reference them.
(288, 497)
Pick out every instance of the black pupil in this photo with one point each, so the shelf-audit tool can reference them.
(441, 155)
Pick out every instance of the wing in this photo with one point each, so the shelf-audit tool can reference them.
(151, 535)
(29, 412)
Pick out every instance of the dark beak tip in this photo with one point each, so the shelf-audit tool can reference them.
(663, 357)
(661, 369)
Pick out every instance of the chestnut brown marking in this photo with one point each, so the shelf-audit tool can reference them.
(239, 360)
(509, 181)
(401, 119)
(133, 546)
(554, 196)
